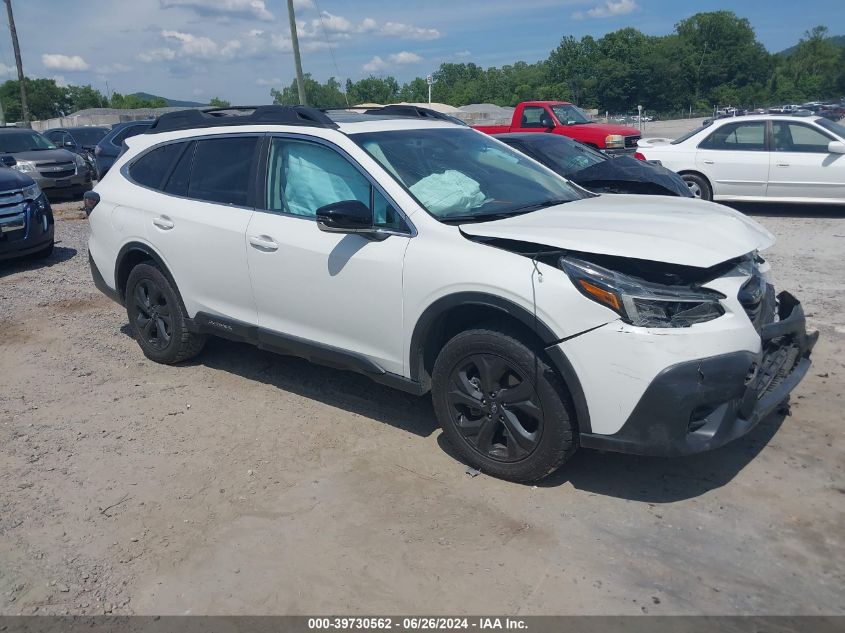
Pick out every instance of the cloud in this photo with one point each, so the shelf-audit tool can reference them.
(190, 46)
(463, 53)
(60, 80)
(610, 9)
(377, 64)
(54, 61)
(6, 70)
(227, 8)
(408, 32)
(113, 69)
(275, 81)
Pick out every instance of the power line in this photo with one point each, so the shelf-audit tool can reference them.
(331, 50)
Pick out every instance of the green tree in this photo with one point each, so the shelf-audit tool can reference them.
(318, 95)
(46, 100)
(373, 90)
(84, 97)
(216, 102)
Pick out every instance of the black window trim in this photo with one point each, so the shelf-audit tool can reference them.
(188, 140)
(261, 182)
(767, 137)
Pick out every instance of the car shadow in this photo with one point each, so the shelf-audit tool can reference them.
(60, 254)
(630, 477)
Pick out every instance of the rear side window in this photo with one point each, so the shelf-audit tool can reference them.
(177, 183)
(221, 170)
(151, 169)
(745, 137)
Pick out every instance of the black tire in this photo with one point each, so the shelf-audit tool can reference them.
(699, 187)
(45, 252)
(157, 318)
(536, 414)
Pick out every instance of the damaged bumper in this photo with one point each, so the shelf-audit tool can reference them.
(705, 403)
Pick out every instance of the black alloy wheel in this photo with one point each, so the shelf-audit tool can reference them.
(153, 319)
(495, 408)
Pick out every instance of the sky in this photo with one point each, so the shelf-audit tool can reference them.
(239, 49)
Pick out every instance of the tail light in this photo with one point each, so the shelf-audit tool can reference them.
(639, 156)
(90, 200)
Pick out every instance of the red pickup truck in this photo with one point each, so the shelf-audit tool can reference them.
(561, 117)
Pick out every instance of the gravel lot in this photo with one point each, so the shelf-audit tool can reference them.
(248, 483)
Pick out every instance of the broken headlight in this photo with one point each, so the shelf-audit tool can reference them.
(641, 302)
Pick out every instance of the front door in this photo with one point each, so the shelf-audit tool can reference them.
(801, 166)
(735, 160)
(340, 291)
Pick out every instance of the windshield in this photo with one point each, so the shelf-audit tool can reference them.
(23, 142)
(89, 135)
(567, 156)
(691, 133)
(463, 175)
(830, 126)
(570, 115)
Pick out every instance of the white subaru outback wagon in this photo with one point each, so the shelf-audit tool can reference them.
(431, 257)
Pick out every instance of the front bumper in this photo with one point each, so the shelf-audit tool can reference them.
(79, 182)
(27, 233)
(623, 151)
(702, 404)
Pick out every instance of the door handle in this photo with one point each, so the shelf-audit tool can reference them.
(263, 243)
(709, 162)
(783, 164)
(164, 223)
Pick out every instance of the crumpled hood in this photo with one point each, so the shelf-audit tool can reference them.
(658, 228)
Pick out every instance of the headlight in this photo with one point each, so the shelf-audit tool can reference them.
(614, 141)
(640, 302)
(32, 192)
(80, 162)
(24, 166)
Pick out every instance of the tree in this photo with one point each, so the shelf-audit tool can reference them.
(318, 95)
(84, 97)
(46, 99)
(814, 66)
(218, 103)
(373, 90)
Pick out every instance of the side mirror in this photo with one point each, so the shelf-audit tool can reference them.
(836, 147)
(346, 216)
(8, 160)
(70, 144)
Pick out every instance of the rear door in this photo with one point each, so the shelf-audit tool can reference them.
(801, 166)
(735, 159)
(196, 218)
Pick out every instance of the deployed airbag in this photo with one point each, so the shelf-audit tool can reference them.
(448, 193)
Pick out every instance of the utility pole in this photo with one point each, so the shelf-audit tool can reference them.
(300, 82)
(18, 62)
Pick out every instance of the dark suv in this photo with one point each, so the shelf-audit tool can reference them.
(109, 147)
(26, 219)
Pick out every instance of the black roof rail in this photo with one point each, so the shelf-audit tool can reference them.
(240, 115)
(419, 112)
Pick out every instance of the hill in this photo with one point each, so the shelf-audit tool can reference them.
(171, 103)
(836, 40)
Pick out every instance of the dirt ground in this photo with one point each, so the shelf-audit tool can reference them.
(249, 483)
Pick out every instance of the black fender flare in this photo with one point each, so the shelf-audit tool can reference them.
(151, 253)
(548, 338)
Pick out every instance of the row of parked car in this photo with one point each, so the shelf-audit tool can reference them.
(56, 163)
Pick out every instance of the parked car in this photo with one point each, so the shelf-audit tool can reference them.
(109, 147)
(57, 171)
(431, 257)
(596, 171)
(561, 117)
(81, 140)
(779, 158)
(26, 219)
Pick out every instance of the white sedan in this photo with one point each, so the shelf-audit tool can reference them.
(774, 158)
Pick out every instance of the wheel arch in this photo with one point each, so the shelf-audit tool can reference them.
(695, 172)
(457, 312)
(134, 253)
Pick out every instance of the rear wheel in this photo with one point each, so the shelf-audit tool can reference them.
(501, 406)
(698, 186)
(157, 318)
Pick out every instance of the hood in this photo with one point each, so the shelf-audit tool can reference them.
(44, 156)
(657, 228)
(13, 179)
(626, 169)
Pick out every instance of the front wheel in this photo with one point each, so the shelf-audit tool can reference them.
(698, 186)
(501, 406)
(157, 318)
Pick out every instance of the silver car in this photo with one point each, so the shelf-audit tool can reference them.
(57, 171)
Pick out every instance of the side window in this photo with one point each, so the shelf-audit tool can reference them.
(532, 116)
(744, 137)
(795, 137)
(151, 169)
(304, 176)
(221, 170)
(177, 183)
